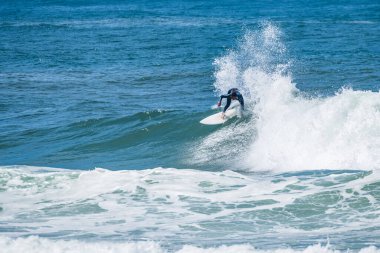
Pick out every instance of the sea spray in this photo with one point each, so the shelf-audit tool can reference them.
(288, 129)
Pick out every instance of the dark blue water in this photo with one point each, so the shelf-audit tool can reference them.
(122, 85)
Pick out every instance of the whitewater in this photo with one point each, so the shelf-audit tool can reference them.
(290, 130)
(162, 209)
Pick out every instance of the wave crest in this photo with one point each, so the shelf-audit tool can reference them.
(289, 130)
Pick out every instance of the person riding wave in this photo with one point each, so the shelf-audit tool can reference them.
(232, 94)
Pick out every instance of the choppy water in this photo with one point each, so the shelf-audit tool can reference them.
(122, 87)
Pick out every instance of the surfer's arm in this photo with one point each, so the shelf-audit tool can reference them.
(221, 98)
(228, 103)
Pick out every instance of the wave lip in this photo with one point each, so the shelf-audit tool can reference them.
(290, 130)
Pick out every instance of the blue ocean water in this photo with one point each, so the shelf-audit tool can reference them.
(101, 146)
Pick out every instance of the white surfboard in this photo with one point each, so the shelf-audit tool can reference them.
(217, 119)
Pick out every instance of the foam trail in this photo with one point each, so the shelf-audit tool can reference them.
(289, 130)
(160, 203)
(35, 244)
(40, 245)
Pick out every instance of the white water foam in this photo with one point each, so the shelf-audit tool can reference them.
(171, 204)
(290, 130)
(35, 244)
(41, 245)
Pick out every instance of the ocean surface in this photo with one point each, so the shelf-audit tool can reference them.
(101, 149)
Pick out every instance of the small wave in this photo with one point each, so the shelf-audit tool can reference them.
(363, 22)
(110, 121)
(124, 22)
(42, 245)
(110, 23)
(109, 134)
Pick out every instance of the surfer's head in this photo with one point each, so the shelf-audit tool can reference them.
(234, 95)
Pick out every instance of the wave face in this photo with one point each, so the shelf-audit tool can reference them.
(191, 207)
(288, 129)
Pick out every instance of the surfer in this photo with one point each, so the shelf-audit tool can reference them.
(232, 94)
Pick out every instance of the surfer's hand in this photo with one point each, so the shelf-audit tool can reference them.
(219, 104)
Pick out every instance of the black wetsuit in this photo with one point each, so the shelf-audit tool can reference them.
(229, 95)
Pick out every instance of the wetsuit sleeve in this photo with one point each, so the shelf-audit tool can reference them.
(228, 103)
(223, 96)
